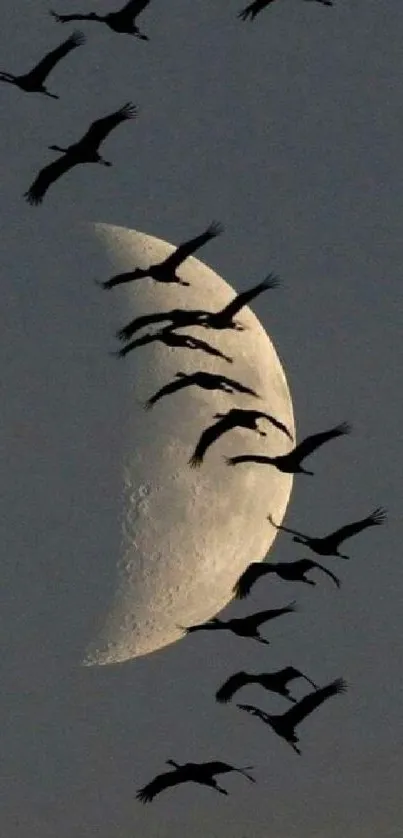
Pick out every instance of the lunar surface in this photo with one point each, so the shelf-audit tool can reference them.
(186, 533)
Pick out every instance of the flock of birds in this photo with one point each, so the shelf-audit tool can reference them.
(86, 150)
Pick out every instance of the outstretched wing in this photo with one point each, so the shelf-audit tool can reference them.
(46, 177)
(217, 767)
(44, 67)
(245, 297)
(378, 516)
(177, 384)
(311, 443)
(307, 705)
(248, 578)
(231, 686)
(102, 127)
(187, 248)
(308, 564)
(135, 7)
(253, 9)
(264, 616)
(160, 783)
(276, 423)
(255, 711)
(138, 323)
(209, 436)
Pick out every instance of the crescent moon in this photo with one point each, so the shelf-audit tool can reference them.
(186, 534)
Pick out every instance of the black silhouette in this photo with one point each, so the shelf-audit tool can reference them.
(180, 317)
(244, 626)
(291, 462)
(122, 21)
(84, 151)
(291, 571)
(33, 82)
(257, 6)
(190, 772)
(236, 417)
(205, 380)
(170, 338)
(224, 319)
(285, 724)
(166, 271)
(274, 681)
(329, 545)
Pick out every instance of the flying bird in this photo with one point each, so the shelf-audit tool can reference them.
(84, 151)
(250, 12)
(291, 462)
(190, 772)
(33, 82)
(236, 417)
(166, 271)
(285, 724)
(224, 319)
(290, 571)
(244, 626)
(274, 681)
(329, 545)
(205, 380)
(179, 317)
(122, 21)
(170, 338)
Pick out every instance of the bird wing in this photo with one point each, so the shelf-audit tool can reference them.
(187, 248)
(231, 686)
(209, 436)
(161, 782)
(248, 578)
(308, 564)
(308, 445)
(254, 8)
(138, 323)
(307, 705)
(217, 767)
(47, 63)
(172, 387)
(47, 176)
(102, 127)
(378, 516)
(270, 614)
(135, 7)
(245, 297)
(276, 423)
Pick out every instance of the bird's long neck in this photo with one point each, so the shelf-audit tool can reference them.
(7, 77)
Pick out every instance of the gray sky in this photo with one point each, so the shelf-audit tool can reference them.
(285, 130)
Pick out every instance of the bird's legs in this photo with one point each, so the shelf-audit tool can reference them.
(104, 162)
(307, 581)
(51, 95)
(262, 640)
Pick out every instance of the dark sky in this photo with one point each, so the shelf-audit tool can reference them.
(288, 131)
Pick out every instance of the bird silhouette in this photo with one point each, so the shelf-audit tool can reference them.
(84, 151)
(329, 545)
(291, 462)
(274, 681)
(170, 338)
(250, 12)
(166, 271)
(244, 626)
(204, 380)
(224, 319)
(290, 571)
(33, 82)
(122, 21)
(284, 725)
(236, 417)
(190, 772)
(179, 317)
